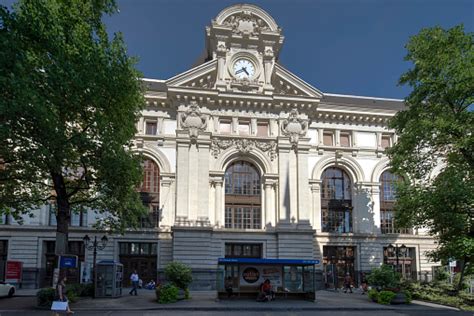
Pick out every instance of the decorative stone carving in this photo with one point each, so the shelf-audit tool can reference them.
(268, 147)
(246, 22)
(193, 121)
(294, 127)
(243, 145)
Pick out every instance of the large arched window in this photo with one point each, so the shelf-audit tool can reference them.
(242, 196)
(336, 201)
(388, 197)
(150, 193)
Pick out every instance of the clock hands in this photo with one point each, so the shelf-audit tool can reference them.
(244, 69)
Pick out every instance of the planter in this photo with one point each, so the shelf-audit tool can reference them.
(400, 298)
(181, 294)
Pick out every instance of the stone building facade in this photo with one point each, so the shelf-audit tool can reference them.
(245, 159)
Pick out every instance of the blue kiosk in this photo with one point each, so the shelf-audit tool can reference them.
(289, 277)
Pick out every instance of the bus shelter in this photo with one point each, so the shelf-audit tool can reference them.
(289, 277)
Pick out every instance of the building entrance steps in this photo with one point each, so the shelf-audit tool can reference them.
(206, 300)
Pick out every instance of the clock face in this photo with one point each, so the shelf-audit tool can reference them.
(243, 69)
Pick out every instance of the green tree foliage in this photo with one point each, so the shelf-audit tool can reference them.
(69, 100)
(435, 148)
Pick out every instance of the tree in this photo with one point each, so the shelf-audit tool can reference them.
(435, 148)
(70, 99)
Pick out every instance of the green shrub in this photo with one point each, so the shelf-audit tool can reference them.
(186, 294)
(373, 294)
(179, 274)
(167, 294)
(384, 277)
(45, 297)
(385, 297)
(408, 296)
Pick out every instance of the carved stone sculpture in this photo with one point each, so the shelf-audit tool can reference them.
(294, 127)
(193, 121)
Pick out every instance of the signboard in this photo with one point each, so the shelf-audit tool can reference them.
(269, 261)
(254, 275)
(13, 271)
(67, 261)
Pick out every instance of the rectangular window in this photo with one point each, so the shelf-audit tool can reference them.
(328, 139)
(151, 128)
(402, 262)
(262, 129)
(242, 217)
(386, 141)
(137, 248)
(387, 221)
(224, 127)
(244, 128)
(237, 250)
(345, 140)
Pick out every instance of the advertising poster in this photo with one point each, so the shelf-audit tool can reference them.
(254, 275)
(13, 271)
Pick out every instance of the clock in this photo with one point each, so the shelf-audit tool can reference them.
(243, 68)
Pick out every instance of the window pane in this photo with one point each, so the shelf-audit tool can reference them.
(345, 140)
(328, 139)
(385, 142)
(262, 129)
(151, 128)
(224, 127)
(336, 201)
(244, 128)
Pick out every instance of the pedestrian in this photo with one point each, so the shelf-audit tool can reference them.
(363, 283)
(347, 283)
(61, 294)
(134, 278)
(228, 285)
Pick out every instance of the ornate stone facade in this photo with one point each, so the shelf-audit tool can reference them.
(261, 116)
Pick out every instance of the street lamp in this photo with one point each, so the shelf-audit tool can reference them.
(94, 245)
(400, 251)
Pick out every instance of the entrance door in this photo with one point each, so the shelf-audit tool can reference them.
(141, 257)
(338, 260)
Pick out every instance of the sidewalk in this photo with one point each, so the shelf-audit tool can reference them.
(206, 301)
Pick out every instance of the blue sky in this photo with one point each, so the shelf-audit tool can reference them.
(339, 46)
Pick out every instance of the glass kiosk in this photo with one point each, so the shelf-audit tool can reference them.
(108, 280)
(288, 277)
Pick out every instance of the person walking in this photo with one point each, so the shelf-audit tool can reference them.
(134, 278)
(347, 283)
(61, 294)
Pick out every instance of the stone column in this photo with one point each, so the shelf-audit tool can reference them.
(376, 208)
(182, 176)
(269, 217)
(166, 199)
(316, 204)
(219, 205)
(221, 54)
(304, 205)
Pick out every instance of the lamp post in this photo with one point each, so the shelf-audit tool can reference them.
(94, 245)
(400, 251)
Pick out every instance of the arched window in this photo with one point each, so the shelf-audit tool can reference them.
(336, 201)
(242, 196)
(388, 197)
(150, 193)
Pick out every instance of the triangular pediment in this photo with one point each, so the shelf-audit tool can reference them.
(202, 76)
(286, 83)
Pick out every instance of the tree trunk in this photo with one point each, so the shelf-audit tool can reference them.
(63, 214)
(461, 279)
